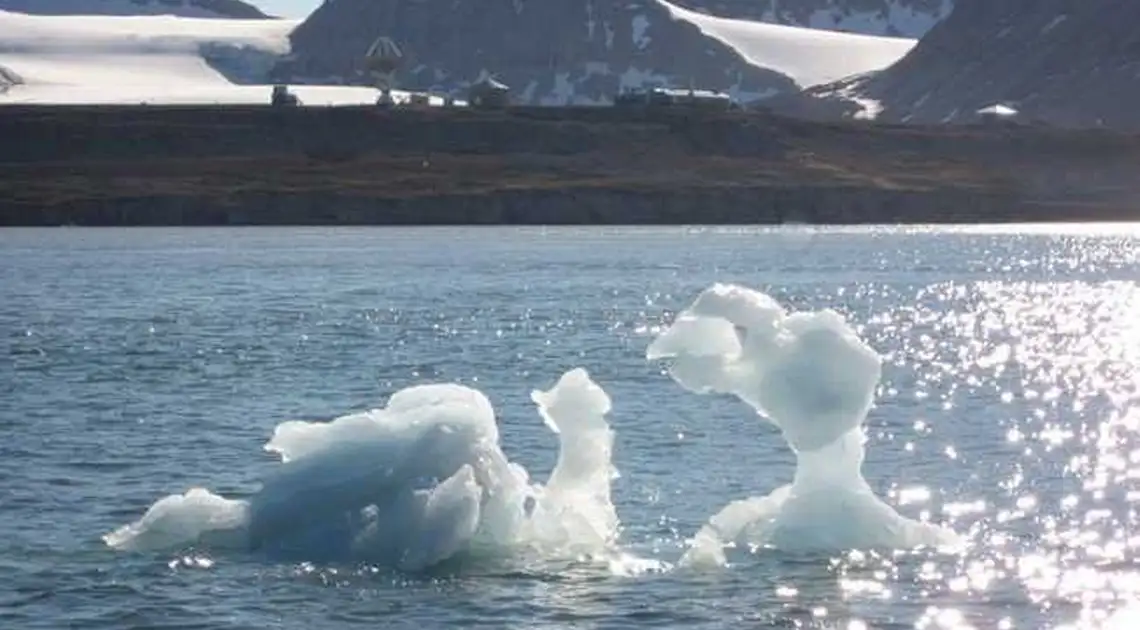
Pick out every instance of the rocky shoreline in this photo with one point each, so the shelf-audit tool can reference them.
(363, 166)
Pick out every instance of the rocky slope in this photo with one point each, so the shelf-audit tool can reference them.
(905, 18)
(1053, 61)
(554, 52)
(234, 9)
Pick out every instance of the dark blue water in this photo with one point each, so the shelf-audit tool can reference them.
(140, 363)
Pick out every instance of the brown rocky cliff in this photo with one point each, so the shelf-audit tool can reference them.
(211, 165)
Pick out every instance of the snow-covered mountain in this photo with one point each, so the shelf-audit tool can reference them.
(146, 59)
(577, 51)
(1055, 61)
(905, 18)
(232, 9)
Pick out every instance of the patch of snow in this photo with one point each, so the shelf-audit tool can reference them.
(869, 108)
(808, 56)
(998, 109)
(897, 19)
(562, 93)
(635, 78)
(591, 23)
(1054, 23)
(740, 95)
(849, 90)
(640, 25)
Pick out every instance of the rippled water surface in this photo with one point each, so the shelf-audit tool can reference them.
(138, 363)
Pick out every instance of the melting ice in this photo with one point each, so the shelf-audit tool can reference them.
(811, 376)
(424, 479)
(411, 485)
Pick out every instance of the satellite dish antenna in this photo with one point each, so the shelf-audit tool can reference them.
(382, 60)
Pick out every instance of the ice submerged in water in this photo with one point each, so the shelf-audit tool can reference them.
(411, 485)
(424, 479)
(811, 376)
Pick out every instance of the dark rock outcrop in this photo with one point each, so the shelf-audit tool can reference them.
(1058, 62)
(549, 52)
(234, 9)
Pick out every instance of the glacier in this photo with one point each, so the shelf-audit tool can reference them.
(151, 59)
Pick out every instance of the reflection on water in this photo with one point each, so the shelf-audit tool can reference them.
(1052, 515)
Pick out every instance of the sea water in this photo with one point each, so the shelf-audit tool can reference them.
(673, 427)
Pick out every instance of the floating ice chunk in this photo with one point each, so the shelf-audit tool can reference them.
(575, 402)
(425, 435)
(809, 374)
(411, 411)
(696, 337)
(411, 485)
(448, 522)
(745, 522)
(180, 519)
(743, 307)
(574, 507)
(830, 506)
(816, 381)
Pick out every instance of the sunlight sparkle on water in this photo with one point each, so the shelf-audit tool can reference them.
(1006, 411)
(1063, 360)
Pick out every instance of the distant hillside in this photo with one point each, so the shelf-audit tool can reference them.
(905, 18)
(234, 9)
(363, 165)
(576, 51)
(1054, 61)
